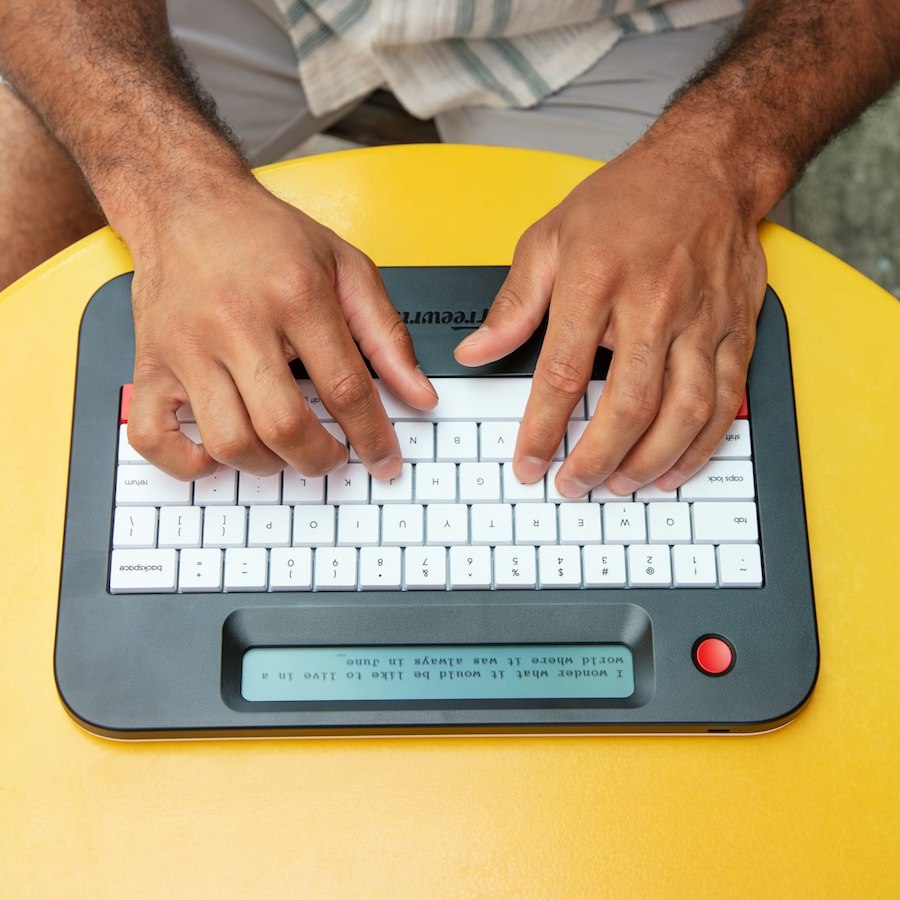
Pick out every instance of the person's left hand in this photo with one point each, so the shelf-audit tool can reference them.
(655, 256)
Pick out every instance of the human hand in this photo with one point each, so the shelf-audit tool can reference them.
(654, 257)
(225, 294)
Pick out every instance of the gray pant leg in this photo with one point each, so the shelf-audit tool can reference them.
(244, 58)
(603, 110)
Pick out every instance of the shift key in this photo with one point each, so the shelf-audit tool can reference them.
(138, 485)
(721, 479)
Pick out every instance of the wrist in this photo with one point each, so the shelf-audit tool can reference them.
(147, 191)
(697, 137)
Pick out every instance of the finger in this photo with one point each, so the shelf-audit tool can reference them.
(519, 306)
(560, 379)
(732, 360)
(380, 332)
(324, 343)
(624, 412)
(155, 432)
(688, 403)
(225, 428)
(279, 414)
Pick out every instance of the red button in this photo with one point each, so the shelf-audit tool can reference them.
(713, 655)
(743, 412)
(125, 408)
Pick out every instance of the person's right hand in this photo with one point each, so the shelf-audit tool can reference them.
(226, 292)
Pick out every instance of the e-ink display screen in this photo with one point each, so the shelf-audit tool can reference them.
(488, 672)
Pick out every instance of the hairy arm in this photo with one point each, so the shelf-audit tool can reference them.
(656, 255)
(230, 282)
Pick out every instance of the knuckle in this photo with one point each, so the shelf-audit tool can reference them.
(143, 438)
(281, 428)
(351, 392)
(562, 378)
(694, 406)
(634, 404)
(232, 449)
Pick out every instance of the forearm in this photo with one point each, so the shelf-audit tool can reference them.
(109, 83)
(793, 75)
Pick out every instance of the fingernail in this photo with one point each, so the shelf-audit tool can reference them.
(473, 340)
(530, 468)
(572, 488)
(388, 467)
(622, 484)
(422, 378)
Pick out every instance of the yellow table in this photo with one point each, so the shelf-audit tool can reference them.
(810, 811)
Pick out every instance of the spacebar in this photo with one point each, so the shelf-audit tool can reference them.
(460, 399)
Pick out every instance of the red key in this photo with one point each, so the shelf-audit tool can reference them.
(743, 412)
(125, 406)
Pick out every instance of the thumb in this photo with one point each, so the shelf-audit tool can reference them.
(519, 306)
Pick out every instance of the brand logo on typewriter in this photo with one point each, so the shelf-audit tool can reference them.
(457, 319)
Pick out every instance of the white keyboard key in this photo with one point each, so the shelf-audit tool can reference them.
(270, 526)
(694, 565)
(497, 441)
(335, 569)
(649, 565)
(553, 495)
(491, 523)
(258, 489)
(358, 526)
(348, 484)
(246, 569)
(402, 524)
(447, 524)
(479, 482)
(579, 523)
(435, 482)
(290, 569)
(604, 567)
(739, 565)
(380, 568)
(515, 567)
(725, 523)
(127, 453)
(594, 392)
(225, 526)
(134, 527)
(624, 523)
(142, 571)
(416, 440)
(470, 567)
(652, 492)
(736, 443)
(184, 413)
(669, 523)
(574, 431)
(143, 485)
(313, 526)
(721, 479)
(337, 433)
(216, 489)
(192, 432)
(535, 523)
(200, 570)
(425, 568)
(308, 389)
(180, 526)
(457, 441)
(559, 567)
(475, 398)
(297, 488)
(514, 491)
(398, 489)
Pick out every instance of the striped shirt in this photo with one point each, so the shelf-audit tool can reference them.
(436, 55)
